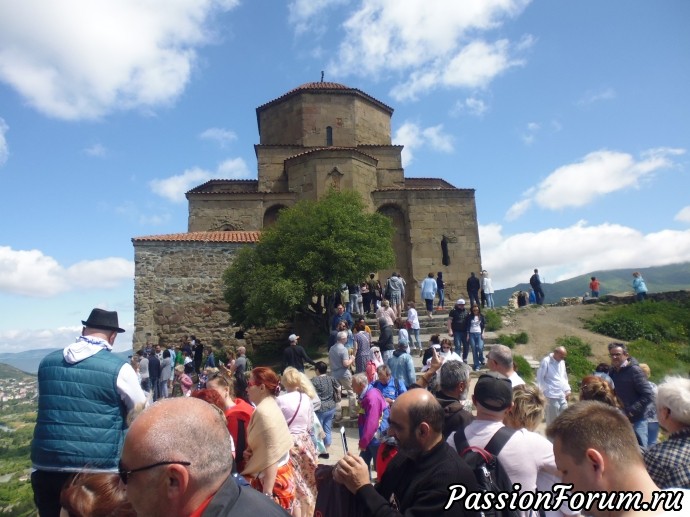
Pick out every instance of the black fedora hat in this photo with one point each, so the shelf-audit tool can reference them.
(102, 319)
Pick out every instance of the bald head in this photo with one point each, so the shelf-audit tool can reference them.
(171, 428)
(421, 406)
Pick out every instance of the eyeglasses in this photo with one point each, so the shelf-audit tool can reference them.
(124, 474)
(615, 355)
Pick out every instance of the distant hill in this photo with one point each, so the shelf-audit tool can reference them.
(29, 360)
(10, 372)
(675, 277)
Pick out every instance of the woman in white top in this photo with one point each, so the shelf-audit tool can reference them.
(413, 327)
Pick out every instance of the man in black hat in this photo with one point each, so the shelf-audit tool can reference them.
(526, 453)
(85, 395)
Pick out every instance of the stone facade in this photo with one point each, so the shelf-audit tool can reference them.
(316, 137)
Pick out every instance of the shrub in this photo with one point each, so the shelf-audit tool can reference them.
(577, 364)
(523, 368)
(663, 358)
(510, 340)
(493, 321)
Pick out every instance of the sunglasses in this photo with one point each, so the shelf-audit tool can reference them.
(124, 474)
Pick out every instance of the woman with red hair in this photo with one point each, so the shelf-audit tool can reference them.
(269, 441)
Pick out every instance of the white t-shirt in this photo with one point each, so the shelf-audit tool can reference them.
(413, 318)
(515, 379)
(522, 457)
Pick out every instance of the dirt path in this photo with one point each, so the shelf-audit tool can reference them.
(545, 324)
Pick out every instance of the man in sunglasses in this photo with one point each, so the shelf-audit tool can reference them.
(85, 395)
(176, 462)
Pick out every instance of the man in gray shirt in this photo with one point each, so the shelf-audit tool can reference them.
(340, 361)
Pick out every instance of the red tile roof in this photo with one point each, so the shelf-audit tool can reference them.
(230, 236)
(330, 148)
(324, 87)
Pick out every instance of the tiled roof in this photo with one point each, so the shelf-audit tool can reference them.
(211, 186)
(330, 148)
(323, 87)
(230, 236)
(427, 183)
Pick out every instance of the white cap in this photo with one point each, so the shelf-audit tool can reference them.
(293, 337)
(460, 302)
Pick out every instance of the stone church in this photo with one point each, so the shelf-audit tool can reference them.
(317, 136)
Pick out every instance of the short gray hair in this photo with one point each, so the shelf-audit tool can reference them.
(674, 393)
(383, 369)
(502, 355)
(342, 336)
(360, 379)
(453, 373)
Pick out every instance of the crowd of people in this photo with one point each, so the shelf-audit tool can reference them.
(172, 433)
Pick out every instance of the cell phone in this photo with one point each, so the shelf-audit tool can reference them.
(344, 439)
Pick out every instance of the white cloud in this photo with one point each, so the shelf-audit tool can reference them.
(96, 150)
(304, 14)
(683, 215)
(517, 209)
(530, 133)
(74, 60)
(31, 273)
(597, 174)
(562, 253)
(414, 137)
(432, 43)
(4, 148)
(592, 96)
(219, 135)
(175, 187)
(21, 340)
(472, 105)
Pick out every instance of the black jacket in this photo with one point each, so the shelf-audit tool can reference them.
(295, 356)
(419, 487)
(455, 415)
(633, 389)
(234, 501)
(473, 284)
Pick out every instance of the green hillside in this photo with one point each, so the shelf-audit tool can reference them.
(675, 277)
(10, 372)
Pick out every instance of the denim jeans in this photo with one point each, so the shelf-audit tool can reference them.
(163, 389)
(416, 343)
(652, 433)
(477, 345)
(460, 343)
(369, 456)
(441, 297)
(490, 300)
(640, 428)
(326, 419)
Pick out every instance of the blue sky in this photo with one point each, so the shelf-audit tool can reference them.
(570, 119)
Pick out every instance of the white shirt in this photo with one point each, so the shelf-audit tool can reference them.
(552, 378)
(516, 379)
(413, 318)
(522, 457)
(487, 286)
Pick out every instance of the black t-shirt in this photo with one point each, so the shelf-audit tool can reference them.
(458, 319)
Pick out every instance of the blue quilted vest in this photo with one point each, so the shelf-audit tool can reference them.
(81, 418)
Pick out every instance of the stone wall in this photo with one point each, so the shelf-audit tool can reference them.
(178, 291)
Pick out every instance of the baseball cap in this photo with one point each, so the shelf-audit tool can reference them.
(460, 302)
(494, 391)
(293, 337)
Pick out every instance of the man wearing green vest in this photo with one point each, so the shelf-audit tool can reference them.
(84, 396)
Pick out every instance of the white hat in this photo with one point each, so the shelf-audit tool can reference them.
(460, 302)
(293, 337)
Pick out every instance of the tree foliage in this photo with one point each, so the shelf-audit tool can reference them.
(313, 248)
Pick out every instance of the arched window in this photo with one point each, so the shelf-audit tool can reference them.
(329, 135)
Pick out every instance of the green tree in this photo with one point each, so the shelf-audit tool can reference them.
(313, 248)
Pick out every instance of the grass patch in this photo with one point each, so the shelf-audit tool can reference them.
(577, 363)
(510, 340)
(493, 320)
(658, 334)
(523, 368)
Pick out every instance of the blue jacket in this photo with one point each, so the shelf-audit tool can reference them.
(81, 422)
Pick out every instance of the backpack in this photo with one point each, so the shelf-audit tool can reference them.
(488, 470)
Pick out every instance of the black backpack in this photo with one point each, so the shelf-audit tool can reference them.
(486, 467)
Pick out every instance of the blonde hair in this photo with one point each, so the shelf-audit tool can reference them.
(294, 380)
(528, 408)
(645, 368)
